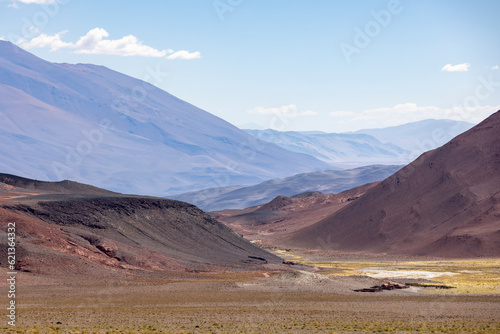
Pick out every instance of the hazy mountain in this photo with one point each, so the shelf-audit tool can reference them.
(73, 229)
(422, 136)
(332, 181)
(337, 149)
(445, 203)
(94, 125)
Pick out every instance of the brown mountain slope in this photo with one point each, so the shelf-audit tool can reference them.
(270, 223)
(107, 234)
(446, 203)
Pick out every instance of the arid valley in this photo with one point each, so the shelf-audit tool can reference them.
(237, 166)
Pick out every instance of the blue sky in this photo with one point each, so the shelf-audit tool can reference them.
(326, 65)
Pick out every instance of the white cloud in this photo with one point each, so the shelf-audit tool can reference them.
(96, 42)
(287, 111)
(456, 68)
(411, 112)
(495, 67)
(45, 41)
(183, 54)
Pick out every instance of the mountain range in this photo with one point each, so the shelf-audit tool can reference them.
(93, 125)
(331, 181)
(392, 145)
(419, 137)
(337, 149)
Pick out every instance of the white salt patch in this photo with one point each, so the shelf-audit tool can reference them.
(406, 274)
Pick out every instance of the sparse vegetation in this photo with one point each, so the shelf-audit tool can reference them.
(214, 305)
(451, 327)
(469, 276)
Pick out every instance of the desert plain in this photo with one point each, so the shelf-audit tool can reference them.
(318, 298)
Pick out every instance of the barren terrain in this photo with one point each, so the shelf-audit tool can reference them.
(270, 223)
(246, 302)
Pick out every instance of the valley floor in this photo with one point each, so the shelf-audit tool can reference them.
(258, 302)
(454, 276)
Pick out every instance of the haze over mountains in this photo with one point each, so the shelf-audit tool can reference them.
(91, 124)
(445, 203)
(391, 145)
(337, 149)
(422, 136)
(332, 181)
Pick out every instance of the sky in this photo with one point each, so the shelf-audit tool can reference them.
(290, 65)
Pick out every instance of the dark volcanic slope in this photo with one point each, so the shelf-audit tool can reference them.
(445, 203)
(109, 234)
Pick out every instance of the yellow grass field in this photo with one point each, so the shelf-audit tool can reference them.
(476, 276)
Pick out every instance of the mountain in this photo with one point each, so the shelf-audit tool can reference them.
(90, 124)
(272, 222)
(337, 149)
(391, 145)
(446, 203)
(332, 181)
(67, 228)
(419, 137)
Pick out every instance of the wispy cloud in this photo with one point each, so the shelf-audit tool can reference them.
(287, 111)
(495, 67)
(96, 42)
(456, 68)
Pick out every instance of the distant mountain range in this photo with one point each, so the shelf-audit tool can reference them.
(422, 136)
(337, 149)
(328, 182)
(392, 145)
(90, 124)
